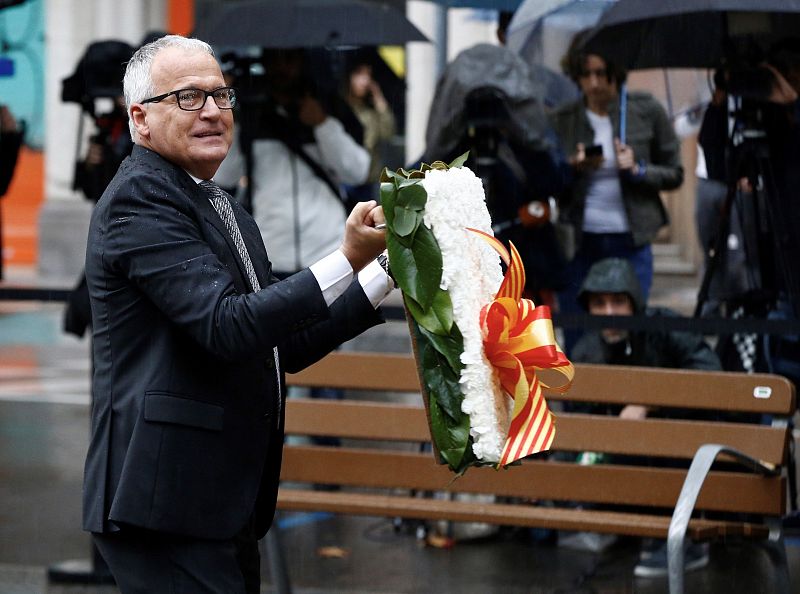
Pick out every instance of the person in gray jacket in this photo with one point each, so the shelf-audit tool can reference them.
(621, 159)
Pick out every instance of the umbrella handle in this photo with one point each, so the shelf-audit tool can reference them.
(623, 112)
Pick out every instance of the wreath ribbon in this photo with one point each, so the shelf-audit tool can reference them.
(519, 340)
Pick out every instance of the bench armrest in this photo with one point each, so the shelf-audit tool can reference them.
(703, 459)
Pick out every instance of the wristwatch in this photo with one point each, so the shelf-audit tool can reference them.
(383, 260)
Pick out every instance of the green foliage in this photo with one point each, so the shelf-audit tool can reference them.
(413, 248)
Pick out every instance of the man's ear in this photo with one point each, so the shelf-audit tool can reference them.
(138, 115)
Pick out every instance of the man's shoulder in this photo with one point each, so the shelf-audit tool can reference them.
(146, 175)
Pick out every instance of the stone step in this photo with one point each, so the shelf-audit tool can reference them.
(668, 259)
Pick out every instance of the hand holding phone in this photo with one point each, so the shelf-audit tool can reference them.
(594, 150)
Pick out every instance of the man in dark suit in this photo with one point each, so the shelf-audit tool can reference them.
(191, 337)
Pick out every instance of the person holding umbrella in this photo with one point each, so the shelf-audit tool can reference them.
(624, 151)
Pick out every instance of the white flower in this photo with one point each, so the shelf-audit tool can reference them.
(471, 274)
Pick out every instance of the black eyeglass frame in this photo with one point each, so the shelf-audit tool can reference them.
(159, 98)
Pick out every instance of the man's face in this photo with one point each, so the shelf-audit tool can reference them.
(611, 304)
(594, 82)
(197, 141)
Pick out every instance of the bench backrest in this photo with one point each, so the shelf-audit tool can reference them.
(383, 441)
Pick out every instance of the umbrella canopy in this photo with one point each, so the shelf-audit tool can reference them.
(306, 23)
(540, 33)
(690, 33)
(492, 4)
(541, 30)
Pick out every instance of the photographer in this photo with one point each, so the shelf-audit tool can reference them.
(108, 147)
(518, 181)
(751, 139)
(293, 155)
(96, 85)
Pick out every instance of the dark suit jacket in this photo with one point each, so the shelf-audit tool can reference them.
(187, 425)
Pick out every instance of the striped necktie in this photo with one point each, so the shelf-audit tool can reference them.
(221, 201)
(222, 204)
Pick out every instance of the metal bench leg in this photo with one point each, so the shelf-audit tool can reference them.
(776, 551)
(276, 560)
(701, 464)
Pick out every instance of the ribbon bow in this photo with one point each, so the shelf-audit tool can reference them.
(518, 339)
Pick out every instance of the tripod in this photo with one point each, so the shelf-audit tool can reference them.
(749, 159)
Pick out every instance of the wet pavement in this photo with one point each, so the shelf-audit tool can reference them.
(44, 409)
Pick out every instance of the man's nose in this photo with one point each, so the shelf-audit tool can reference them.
(607, 308)
(210, 108)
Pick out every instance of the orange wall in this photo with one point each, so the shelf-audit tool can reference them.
(20, 209)
(180, 16)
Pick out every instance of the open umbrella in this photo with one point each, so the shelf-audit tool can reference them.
(540, 33)
(690, 33)
(490, 4)
(306, 23)
(541, 30)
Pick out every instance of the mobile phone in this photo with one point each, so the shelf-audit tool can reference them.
(594, 150)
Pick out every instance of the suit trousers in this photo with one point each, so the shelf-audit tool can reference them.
(148, 562)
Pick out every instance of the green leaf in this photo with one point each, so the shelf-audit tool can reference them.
(388, 200)
(407, 261)
(459, 161)
(451, 439)
(408, 182)
(450, 346)
(442, 382)
(438, 318)
(412, 196)
(404, 221)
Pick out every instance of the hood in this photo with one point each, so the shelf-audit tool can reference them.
(612, 275)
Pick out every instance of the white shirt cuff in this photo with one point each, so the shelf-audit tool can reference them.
(334, 274)
(376, 283)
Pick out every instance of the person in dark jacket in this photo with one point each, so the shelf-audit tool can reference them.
(612, 289)
(191, 336)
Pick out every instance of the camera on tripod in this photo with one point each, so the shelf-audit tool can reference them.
(96, 85)
(755, 126)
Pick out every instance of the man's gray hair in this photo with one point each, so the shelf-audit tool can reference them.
(138, 81)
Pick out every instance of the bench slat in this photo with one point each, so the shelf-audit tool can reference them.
(534, 480)
(593, 383)
(575, 432)
(369, 504)
(681, 388)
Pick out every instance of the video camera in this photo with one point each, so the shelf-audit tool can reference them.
(97, 80)
(98, 74)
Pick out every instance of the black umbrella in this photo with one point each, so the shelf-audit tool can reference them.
(691, 33)
(306, 23)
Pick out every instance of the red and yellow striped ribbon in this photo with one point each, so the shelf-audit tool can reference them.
(518, 339)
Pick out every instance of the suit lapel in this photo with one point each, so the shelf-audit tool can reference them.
(206, 212)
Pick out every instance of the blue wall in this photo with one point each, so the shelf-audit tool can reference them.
(22, 66)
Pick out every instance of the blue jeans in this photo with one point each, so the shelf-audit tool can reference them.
(595, 247)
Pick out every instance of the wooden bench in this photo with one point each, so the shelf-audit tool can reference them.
(379, 478)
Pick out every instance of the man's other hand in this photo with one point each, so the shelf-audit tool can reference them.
(362, 241)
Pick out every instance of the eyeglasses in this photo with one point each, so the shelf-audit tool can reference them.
(195, 99)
